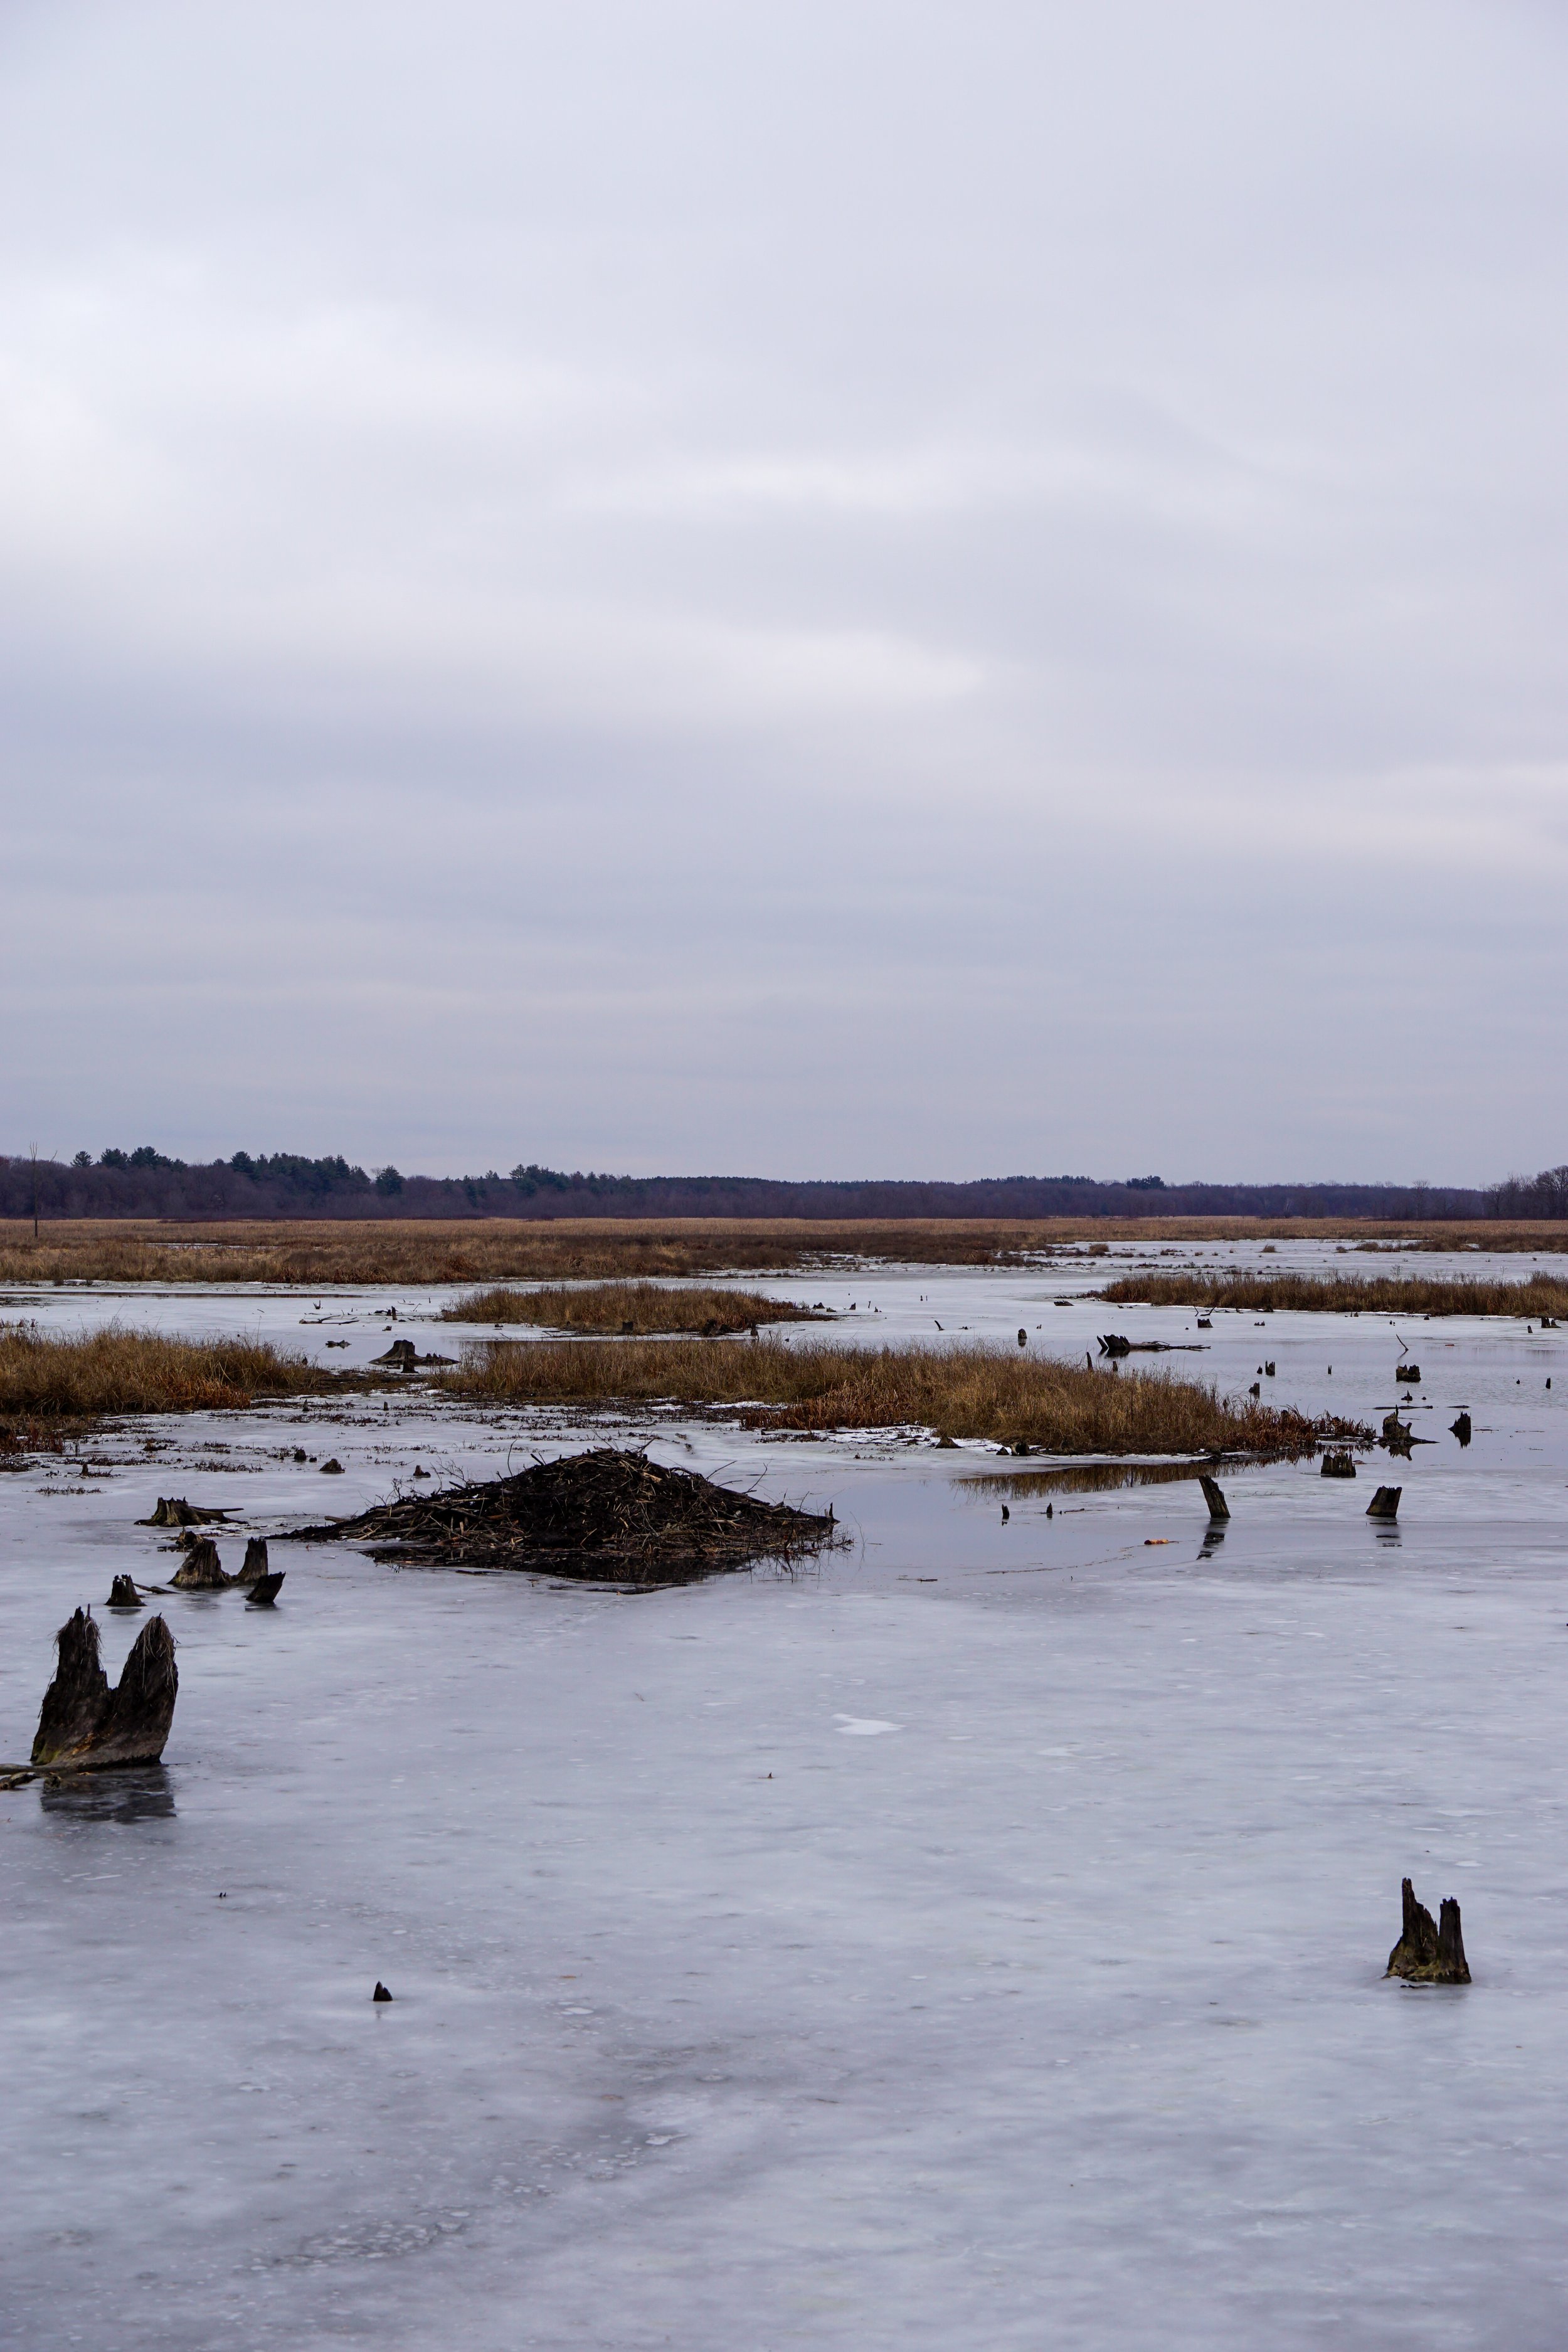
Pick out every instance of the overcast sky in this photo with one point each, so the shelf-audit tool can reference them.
(836, 589)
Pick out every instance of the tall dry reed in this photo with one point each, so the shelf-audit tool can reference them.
(1342, 1294)
(635, 1307)
(973, 1391)
(119, 1370)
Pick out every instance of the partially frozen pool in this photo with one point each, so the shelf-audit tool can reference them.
(973, 1941)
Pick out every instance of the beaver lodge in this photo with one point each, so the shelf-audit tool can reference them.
(605, 1517)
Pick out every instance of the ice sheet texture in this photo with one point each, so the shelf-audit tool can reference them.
(977, 1944)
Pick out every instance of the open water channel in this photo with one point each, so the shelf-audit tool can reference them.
(973, 1941)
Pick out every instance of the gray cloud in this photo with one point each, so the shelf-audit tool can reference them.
(855, 590)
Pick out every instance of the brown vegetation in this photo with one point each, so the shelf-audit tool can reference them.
(975, 1391)
(633, 1306)
(309, 1254)
(50, 1376)
(1540, 1295)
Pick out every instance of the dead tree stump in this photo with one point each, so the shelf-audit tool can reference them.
(1214, 1495)
(123, 1594)
(265, 1591)
(1461, 1428)
(1430, 1952)
(1339, 1464)
(201, 1570)
(82, 1721)
(1384, 1504)
(254, 1561)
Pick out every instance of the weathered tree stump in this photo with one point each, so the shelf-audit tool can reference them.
(1384, 1504)
(1114, 1343)
(1461, 1428)
(82, 1721)
(1214, 1495)
(401, 1352)
(254, 1561)
(123, 1594)
(1023, 1337)
(173, 1511)
(1397, 1435)
(1430, 1952)
(1339, 1464)
(201, 1570)
(265, 1591)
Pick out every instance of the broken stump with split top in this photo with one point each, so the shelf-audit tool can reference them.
(1430, 1952)
(123, 1594)
(1410, 1375)
(201, 1570)
(265, 1591)
(1214, 1495)
(1339, 1463)
(83, 1721)
(1384, 1504)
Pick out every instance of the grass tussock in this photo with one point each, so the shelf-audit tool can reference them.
(46, 1377)
(628, 1307)
(960, 1392)
(305, 1255)
(1334, 1294)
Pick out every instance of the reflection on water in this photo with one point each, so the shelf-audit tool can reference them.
(142, 1793)
(1085, 1478)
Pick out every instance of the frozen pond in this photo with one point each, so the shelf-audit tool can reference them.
(975, 1941)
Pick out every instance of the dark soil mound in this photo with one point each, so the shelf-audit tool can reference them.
(608, 1517)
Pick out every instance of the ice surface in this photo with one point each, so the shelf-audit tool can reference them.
(974, 1941)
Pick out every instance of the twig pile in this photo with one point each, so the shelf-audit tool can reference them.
(607, 1516)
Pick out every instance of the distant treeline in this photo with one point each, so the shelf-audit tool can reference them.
(147, 1183)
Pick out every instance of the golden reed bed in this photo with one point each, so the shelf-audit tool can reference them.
(306, 1253)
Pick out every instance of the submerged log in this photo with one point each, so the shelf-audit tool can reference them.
(1214, 1495)
(254, 1561)
(1384, 1504)
(1428, 1951)
(265, 1591)
(201, 1570)
(82, 1721)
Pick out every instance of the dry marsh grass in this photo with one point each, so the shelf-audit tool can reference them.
(46, 1377)
(975, 1392)
(1333, 1294)
(303, 1254)
(628, 1307)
